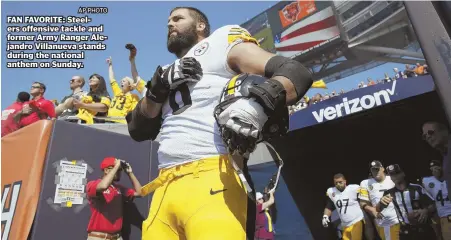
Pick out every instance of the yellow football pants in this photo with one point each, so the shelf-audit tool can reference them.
(353, 232)
(201, 200)
(389, 233)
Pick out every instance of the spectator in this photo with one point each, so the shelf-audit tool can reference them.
(438, 137)
(95, 103)
(419, 70)
(106, 199)
(387, 79)
(413, 205)
(426, 69)
(66, 107)
(370, 82)
(435, 185)
(409, 72)
(123, 101)
(398, 74)
(140, 84)
(342, 91)
(263, 224)
(8, 123)
(36, 109)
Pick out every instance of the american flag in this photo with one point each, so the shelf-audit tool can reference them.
(307, 33)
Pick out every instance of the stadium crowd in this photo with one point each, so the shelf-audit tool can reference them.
(409, 71)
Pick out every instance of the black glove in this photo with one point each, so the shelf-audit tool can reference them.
(181, 71)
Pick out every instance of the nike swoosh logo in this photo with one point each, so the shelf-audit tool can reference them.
(215, 192)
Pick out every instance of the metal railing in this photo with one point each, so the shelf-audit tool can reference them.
(79, 121)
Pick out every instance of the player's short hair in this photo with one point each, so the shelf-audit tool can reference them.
(339, 175)
(199, 16)
(23, 97)
(437, 125)
(42, 85)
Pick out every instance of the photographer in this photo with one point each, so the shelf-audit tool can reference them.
(413, 205)
(106, 199)
(263, 225)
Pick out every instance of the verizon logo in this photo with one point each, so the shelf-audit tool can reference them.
(355, 105)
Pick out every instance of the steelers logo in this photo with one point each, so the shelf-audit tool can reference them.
(371, 187)
(431, 185)
(333, 194)
(391, 167)
(201, 49)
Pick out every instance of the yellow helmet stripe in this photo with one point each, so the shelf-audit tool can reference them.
(231, 86)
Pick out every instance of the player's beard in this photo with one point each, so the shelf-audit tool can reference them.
(182, 40)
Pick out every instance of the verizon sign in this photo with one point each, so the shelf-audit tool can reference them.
(355, 105)
(359, 100)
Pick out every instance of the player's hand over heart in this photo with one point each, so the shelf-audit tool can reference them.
(185, 70)
(182, 71)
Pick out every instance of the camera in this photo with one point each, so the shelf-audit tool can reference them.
(130, 46)
(124, 165)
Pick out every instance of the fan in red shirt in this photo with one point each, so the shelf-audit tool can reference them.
(8, 123)
(36, 109)
(106, 200)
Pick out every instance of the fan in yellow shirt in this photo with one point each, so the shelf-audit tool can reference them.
(124, 101)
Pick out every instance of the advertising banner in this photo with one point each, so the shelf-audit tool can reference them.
(296, 11)
(361, 100)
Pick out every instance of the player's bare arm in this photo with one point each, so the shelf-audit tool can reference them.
(250, 58)
(96, 107)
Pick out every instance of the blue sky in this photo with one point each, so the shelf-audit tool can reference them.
(141, 23)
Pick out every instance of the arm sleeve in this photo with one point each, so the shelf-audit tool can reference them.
(363, 191)
(140, 127)
(91, 189)
(116, 89)
(49, 108)
(330, 205)
(425, 197)
(106, 101)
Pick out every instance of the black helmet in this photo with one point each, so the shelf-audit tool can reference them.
(238, 87)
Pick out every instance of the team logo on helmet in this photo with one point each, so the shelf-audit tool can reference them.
(431, 185)
(333, 194)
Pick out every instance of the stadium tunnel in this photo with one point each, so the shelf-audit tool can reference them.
(390, 133)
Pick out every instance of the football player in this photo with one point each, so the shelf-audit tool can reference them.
(198, 194)
(344, 198)
(371, 192)
(436, 186)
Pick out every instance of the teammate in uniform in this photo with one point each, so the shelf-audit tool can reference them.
(344, 198)
(436, 186)
(198, 194)
(371, 192)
